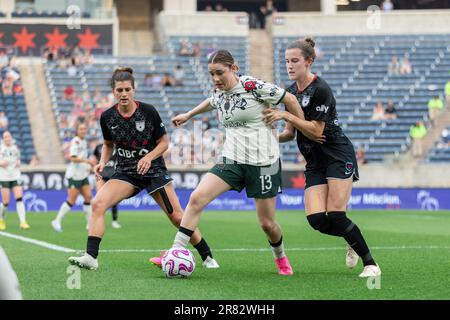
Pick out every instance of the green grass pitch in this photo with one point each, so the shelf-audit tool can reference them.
(411, 247)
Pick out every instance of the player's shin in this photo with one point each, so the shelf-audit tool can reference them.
(20, 207)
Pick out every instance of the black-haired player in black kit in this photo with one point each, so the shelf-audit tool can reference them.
(331, 166)
(136, 131)
(107, 173)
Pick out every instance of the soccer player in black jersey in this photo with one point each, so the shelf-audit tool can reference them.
(107, 173)
(331, 166)
(136, 131)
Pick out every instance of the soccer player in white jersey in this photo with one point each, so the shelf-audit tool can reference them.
(77, 174)
(10, 179)
(251, 156)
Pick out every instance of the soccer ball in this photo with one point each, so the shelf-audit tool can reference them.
(178, 263)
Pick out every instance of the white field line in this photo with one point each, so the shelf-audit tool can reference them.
(55, 247)
(40, 243)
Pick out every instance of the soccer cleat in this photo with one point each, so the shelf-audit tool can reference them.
(86, 261)
(370, 271)
(24, 225)
(210, 263)
(351, 258)
(2, 224)
(157, 261)
(284, 267)
(116, 225)
(57, 226)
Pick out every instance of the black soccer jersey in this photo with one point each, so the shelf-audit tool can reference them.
(318, 103)
(98, 155)
(134, 137)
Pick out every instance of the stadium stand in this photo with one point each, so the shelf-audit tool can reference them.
(13, 105)
(169, 100)
(441, 151)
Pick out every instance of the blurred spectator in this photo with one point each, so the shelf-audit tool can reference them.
(178, 75)
(417, 132)
(445, 139)
(17, 88)
(435, 106)
(4, 60)
(185, 49)
(34, 161)
(218, 7)
(3, 122)
(387, 6)
(206, 125)
(7, 87)
(394, 66)
(167, 80)
(196, 50)
(69, 92)
(378, 111)
(208, 8)
(72, 70)
(447, 94)
(405, 66)
(361, 156)
(390, 112)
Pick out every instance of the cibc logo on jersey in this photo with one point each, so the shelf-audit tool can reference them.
(131, 153)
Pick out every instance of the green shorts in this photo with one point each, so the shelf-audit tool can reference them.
(77, 184)
(10, 184)
(260, 182)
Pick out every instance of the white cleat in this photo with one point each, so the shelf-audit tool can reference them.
(86, 261)
(351, 258)
(210, 263)
(370, 271)
(57, 226)
(116, 225)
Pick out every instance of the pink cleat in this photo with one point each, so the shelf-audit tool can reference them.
(157, 261)
(284, 267)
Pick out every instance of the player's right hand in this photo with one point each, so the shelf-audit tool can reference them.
(98, 169)
(180, 119)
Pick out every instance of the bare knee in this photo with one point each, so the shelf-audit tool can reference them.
(98, 206)
(268, 225)
(197, 201)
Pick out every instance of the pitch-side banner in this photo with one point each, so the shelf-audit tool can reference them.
(290, 199)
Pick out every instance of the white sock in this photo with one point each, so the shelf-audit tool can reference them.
(2, 211)
(181, 240)
(62, 211)
(88, 209)
(278, 251)
(20, 207)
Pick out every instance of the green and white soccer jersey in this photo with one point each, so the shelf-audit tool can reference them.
(11, 155)
(248, 139)
(78, 171)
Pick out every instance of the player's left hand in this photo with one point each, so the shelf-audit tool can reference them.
(144, 165)
(271, 115)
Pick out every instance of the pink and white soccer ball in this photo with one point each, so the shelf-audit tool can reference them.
(178, 262)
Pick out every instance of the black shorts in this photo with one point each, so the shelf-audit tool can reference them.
(107, 173)
(150, 184)
(335, 160)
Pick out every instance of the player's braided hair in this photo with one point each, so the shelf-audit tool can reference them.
(306, 46)
(224, 57)
(122, 74)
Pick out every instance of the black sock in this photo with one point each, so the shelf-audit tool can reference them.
(186, 231)
(203, 249)
(356, 240)
(114, 212)
(93, 243)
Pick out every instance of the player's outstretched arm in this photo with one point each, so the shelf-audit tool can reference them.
(181, 119)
